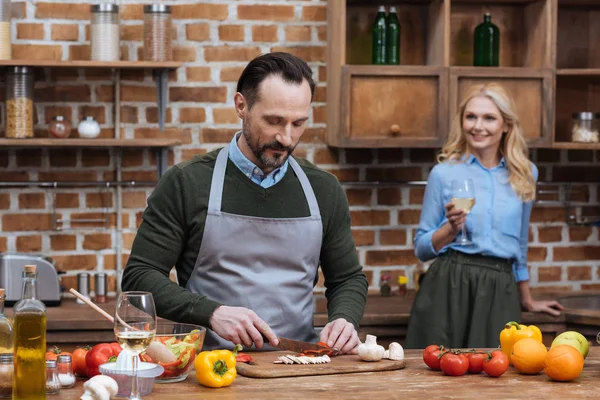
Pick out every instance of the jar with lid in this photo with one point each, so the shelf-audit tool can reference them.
(5, 14)
(157, 33)
(6, 375)
(89, 128)
(585, 127)
(19, 102)
(52, 382)
(59, 127)
(105, 32)
(65, 371)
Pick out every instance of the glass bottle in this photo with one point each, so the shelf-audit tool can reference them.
(52, 383)
(19, 102)
(5, 43)
(486, 43)
(157, 33)
(59, 127)
(104, 32)
(392, 31)
(29, 341)
(6, 375)
(379, 37)
(6, 328)
(64, 366)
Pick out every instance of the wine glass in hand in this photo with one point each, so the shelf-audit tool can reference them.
(135, 326)
(463, 198)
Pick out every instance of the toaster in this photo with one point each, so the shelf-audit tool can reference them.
(11, 278)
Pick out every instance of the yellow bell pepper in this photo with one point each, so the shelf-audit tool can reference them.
(216, 368)
(513, 332)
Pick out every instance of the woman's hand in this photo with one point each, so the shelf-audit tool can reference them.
(456, 218)
(551, 307)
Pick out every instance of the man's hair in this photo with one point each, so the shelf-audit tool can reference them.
(289, 67)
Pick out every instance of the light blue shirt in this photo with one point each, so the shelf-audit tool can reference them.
(249, 169)
(498, 224)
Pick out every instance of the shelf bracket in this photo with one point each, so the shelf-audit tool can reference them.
(162, 161)
(162, 83)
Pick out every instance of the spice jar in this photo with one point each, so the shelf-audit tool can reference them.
(6, 375)
(105, 32)
(59, 127)
(585, 127)
(89, 128)
(65, 371)
(384, 287)
(52, 382)
(100, 288)
(19, 102)
(83, 286)
(157, 33)
(5, 46)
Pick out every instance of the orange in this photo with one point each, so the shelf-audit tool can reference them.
(563, 363)
(528, 356)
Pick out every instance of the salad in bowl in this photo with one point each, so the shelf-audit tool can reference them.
(174, 348)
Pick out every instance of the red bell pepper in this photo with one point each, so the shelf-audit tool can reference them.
(98, 355)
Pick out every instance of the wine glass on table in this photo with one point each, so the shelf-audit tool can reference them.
(135, 327)
(463, 198)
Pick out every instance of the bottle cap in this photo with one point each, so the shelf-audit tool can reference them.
(50, 363)
(30, 269)
(392, 9)
(6, 358)
(65, 358)
(381, 9)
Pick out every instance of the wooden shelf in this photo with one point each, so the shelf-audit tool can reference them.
(91, 64)
(47, 142)
(578, 71)
(576, 146)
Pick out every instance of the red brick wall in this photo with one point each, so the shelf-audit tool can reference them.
(215, 40)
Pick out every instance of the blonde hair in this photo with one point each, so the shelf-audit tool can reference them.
(513, 146)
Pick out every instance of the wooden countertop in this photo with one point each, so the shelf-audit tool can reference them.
(416, 381)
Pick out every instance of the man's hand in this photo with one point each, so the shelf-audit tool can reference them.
(341, 335)
(241, 326)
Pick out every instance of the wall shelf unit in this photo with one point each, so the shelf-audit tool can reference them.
(549, 60)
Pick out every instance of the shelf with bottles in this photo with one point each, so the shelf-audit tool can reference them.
(522, 28)
(578, 34)
(577, 94)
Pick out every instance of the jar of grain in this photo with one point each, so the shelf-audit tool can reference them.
(105, 32)
(19, 102)
(585, 127)
(157, 33)
(5, 47)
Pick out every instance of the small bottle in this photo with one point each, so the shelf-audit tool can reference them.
(6, 328)
(379, 37)
(392, 32)
(83, 286)
(29, 341)
(65, 371)
(486, 43)
(100, 288)
(6, 375)
(402, 282)
(384, 287)
(52, 382)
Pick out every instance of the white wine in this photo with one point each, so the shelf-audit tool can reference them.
(464, 204)
(135, 341)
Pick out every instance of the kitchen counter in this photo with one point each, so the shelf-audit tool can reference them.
(416, 381)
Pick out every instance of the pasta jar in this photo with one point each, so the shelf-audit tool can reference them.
(19, 102)
(5, 47)
(585, 127)
(157, 33)
(105, 32)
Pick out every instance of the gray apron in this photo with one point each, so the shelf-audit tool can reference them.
(265, 264)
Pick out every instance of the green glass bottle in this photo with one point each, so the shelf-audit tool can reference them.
(486, 43)
(379, 37)
(392, 32)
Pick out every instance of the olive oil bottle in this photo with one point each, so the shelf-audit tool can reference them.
(29, 341)
(6, 328)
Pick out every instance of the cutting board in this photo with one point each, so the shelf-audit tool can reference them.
(264, 367)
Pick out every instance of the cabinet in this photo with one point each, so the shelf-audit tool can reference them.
(549, 60)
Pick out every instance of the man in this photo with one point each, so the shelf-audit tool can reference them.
(247, 226)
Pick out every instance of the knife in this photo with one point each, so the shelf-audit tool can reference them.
(302, 347)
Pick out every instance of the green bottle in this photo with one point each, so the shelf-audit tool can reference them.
(486, 43)
(379, 37)
(392, 46)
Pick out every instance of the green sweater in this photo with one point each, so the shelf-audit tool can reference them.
(173, 224)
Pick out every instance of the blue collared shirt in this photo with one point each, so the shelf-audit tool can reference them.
(249, 169)
(498, 224)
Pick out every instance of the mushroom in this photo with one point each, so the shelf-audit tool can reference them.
(100, 387)
(395, 352)
(370, 350)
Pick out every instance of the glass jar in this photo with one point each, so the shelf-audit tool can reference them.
(52, 382)
(105, 32)
(585, 127)
(19, 102)
(59, 127)
(157, 33)
(65, 371)
(6, 375)
(88, 128)
(5, 46)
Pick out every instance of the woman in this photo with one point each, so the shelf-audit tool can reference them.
(472, 290)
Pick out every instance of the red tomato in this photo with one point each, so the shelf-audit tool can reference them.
(78, 359)
(476, 362)
(431, 356)
(454, 364)
(495, 364)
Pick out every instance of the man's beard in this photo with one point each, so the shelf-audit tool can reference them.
(258, 149)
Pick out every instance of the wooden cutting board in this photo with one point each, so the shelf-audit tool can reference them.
(264, 367)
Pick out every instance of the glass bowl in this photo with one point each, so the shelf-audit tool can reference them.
(146, 374)
(174, 348)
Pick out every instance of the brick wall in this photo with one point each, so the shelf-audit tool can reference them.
(215, 39)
